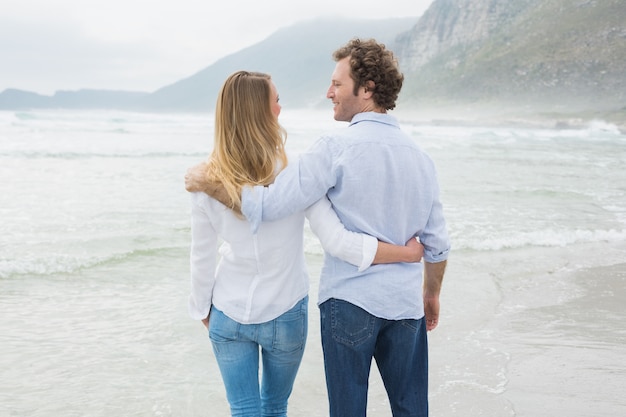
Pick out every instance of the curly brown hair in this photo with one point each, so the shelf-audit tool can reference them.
(372, 61)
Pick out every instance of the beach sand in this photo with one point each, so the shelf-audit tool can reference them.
(527, 341)
(452, 381)
(570, 358)
(513, 348)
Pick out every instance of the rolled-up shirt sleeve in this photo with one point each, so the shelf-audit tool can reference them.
(435, 237)
(358, 249)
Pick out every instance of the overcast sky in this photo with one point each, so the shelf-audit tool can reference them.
(142, 45)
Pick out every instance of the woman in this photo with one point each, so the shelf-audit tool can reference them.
(256, 296)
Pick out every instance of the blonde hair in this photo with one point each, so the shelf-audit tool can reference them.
(249, 142)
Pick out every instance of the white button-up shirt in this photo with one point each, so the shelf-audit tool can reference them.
(260, 276)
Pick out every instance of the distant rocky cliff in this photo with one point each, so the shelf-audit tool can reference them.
(455, 23)
(547, 54)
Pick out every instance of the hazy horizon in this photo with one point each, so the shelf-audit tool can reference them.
(73, 45)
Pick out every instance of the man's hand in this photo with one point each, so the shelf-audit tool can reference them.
(433, 278)
(431, 311)
(195, 180)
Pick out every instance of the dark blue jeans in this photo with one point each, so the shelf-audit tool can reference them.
(351, 337)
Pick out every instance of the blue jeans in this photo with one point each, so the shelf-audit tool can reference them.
(236, 347)
(351, 337)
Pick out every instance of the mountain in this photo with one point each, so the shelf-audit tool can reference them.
(528, 55)
(533, 58)
(13, 99)
(298, 57)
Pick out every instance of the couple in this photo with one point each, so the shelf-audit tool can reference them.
(374, 302)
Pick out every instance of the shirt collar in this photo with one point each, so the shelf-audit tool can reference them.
(375, 117)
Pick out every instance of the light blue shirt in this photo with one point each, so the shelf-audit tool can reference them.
(380, 182)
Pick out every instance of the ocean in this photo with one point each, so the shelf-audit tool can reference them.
(94, 242)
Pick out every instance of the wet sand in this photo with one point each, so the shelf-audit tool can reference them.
(542, 338)
(570, 358)
(499, 353)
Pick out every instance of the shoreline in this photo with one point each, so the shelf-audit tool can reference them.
(508, 344)
(506, 116)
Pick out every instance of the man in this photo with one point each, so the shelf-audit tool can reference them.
(380, 183)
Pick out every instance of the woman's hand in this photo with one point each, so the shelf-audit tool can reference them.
(416, 250)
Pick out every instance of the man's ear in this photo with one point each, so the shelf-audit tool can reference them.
(368, 88)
